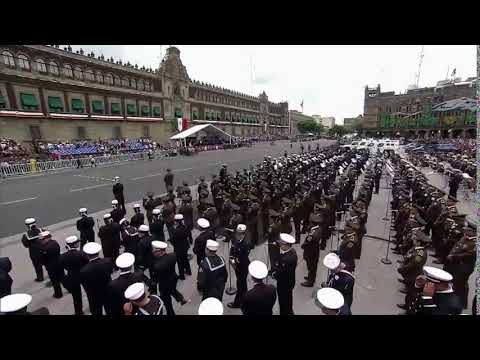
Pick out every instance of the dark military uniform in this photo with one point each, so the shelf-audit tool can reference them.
(284, 273)
(412, 267)
(157, 229)
(259, 300)
(200, 244)
(442, 303)
(117, 214)
(130, 239)
(85, 226)
(212, 276)
(5, 279)
(311, 253)
(118, 194)
(239, 252)
(72, 262)
(168, 179)
(149, 204)
(94, 277)
(180, 247)
(50, 259)
(115, 291)
(109, 235)
(30, 241)
(346, 251)
(344, 282)
(144, 252)
(137, 219)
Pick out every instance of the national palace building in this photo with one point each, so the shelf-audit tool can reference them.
(52, 94)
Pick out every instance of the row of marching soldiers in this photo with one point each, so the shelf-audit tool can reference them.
(145, 246)
(426, 219)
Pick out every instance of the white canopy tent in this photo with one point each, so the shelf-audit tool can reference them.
(204, 129)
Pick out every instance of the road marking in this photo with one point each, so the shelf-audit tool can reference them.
(159, 174)
(17, 201)
(90, 187)
(94, 177)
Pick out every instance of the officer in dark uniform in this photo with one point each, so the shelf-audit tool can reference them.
(454, 183)
(212, 273)
(339, 278)
(180, 246)
(72, 262)
(109, 235)
(5, 279)
(95, 276)
(117, 212)
(115, 291)
(378, 175)
(164, 275)
(138, 218)
(144, 248)
(347, 249)
(260, 299)
(157, 225)
(311, 250)
(149, 203)
(50, 252)
(273, 235)
(85, 226)
(223, 173)
(168, 179)
(297, 217)
(201, 240)
(252, 222)
(284, 273)
(129, 237)
(118, 194)
(202, 186)
(239, 252)
(30, 241)
(187, 211)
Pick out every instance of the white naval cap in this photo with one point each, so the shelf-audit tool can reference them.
(331, 261)
(203, 223)
(212, 245)
(71, 239)
(14, 302)
(210, 306)
(159, 245)
(114, 202)
(107, 216)
(178, 217)
(125, 260)
(135, 291)
(241, 227)
(330, 298)
(156, 211)
(122, 221)
(30, 221)
(287, 238)
(82, 210)
(437, 275)
(258, 269)
(92, 248)
(136, 206)
(117, 177)
(143, 228)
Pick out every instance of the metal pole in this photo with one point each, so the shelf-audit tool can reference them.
(230, 290)
(386, 260)
(386, 218)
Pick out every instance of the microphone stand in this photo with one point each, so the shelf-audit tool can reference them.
(230, 290)
(386, 218)
(386, 260)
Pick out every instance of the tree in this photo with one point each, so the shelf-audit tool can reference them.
(337, 130)
(308, 126)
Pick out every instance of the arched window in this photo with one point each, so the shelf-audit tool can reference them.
(133, 83)
(67, 71)
(53, 68)
(99, 77)
(77, 73)
(125, 83)
(116, 81)
(147, 86)
(24, 62)
(8, 58)
(40, 65)
(109, 79)
(89, 75)
(141, 85)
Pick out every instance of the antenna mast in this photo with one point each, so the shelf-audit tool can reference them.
(417, 76)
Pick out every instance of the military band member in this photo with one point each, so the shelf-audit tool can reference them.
(50, 252)
(311, 250)
(109, 235)
(85, 226)
(212, 273)
(138, 218)
(339, 278)
(201, 240)
(142, 303)
(180, 246)
(30, 240)
(144, 249)
(149, 203)
(239, 252)
(117, 213)
(260, 299)
(331, 302)
(157, 225)
(129, 236)
(210, 306)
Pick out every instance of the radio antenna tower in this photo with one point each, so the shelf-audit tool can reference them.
(417, 75)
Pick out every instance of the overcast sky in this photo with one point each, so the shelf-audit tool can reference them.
(330, 79)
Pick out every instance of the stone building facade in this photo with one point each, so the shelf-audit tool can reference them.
(55, 94)
(295, 118)
(411, 106)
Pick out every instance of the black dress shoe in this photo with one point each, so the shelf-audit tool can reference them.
(38, 280)
(307, 284)
(233, 305)
(403, 291)
(402, 306)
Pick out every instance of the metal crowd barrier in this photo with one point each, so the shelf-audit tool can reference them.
(45, 166)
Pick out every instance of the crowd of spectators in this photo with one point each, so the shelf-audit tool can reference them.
(12, 152)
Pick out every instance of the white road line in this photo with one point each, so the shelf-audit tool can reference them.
(159, 174)
(17, 201)
(90, 187)
(94, 177)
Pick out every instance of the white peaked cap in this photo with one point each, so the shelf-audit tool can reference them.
(143, 228)
(71, 239)
(210, 306)
(125, 260)
(258, 269)
(178, 217)
(135, 291)
(241, 227)
(136, 205)
(203, 223)
(156, 211)
(287, 238)
(92, 248)
(114, 202)
(436, 275)
(30, 221)
(212, 245)
(330, 298)
(107, 216)
(117, 177)
(14, 302)
(82, 210)
(159, 245)
(331, 261)
(122, 221)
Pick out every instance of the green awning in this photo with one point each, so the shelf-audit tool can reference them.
(156, 110)
(207, 116)
(115, 108)
(145, 110)
(131, 109)
(97, 106)
(195, 115)
(29, 100)
(3, 102)
(77, 105)
(55, 103)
